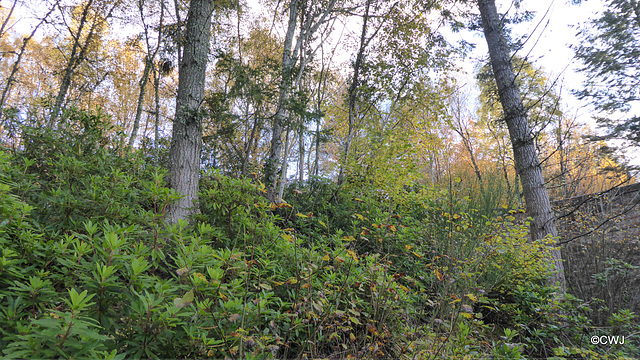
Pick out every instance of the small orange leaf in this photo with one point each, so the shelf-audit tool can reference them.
(408, 247)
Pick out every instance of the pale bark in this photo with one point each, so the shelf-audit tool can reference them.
(148, 67)
(288, 61)
(290, 56)
(352, 93)
(186, 143)
(78, 53)
(11, 79)
(524, 151)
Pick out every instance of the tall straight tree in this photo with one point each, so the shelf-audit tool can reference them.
(522, 140)
(186, 142)
(311, 16)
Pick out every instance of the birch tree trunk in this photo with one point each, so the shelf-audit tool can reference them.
(524, 151)
(149, 66)
(186, 143)
(352, 94)
(275, 150)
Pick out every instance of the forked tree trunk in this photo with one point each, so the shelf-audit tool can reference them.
(524, 151)
(186, 142)
(288, 61)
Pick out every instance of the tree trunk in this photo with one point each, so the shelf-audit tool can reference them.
(275, 150)
(524, 151)
(148, 67)
(352, 94)
(16, 65)
(148, 64)
(186, 143)
(284, 167)
(301, 151)
(72, 63)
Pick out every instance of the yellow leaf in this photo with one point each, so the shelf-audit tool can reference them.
(301, 215)
(376, 226)
(352, 254)
(358, 200)
(306, 286)
(322, 223)
(392, 228)
(288, 229)
(348, 238)
(456, 216)
(466, 315)
(438, 274)
(472, 297)
(408, 247)
(292, 281)
(326, 258)
(360, 216)
(352, 337)
(223, 297)
(416, 254)
(284, 205)
(287, 237)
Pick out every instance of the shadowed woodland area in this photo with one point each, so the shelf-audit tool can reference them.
(313, 180)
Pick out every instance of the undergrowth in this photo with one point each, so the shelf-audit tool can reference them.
(90, 270)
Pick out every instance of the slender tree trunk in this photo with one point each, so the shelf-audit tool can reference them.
(249, 146)
(301, 151)
(275, 150)
(148, 64)
(16, 65)
(524, 151)
(8, 18)
(78, 51)
(148, 67)
(284, 167)
(156, 89)
(186, 143)
(352, 93)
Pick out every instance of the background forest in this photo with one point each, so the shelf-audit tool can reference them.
(303, 179)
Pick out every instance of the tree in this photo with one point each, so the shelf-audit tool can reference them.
(524, 151)
(311, 16)
(610, 48)
(149, 64)
(11, 78)
(186, 143)
(86, 23)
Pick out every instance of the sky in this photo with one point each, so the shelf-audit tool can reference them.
(553, 31)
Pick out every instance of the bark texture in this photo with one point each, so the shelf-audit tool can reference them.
(288, 61)
(186, 142)
(524, 151)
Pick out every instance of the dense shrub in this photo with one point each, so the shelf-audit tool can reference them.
(89, 269)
